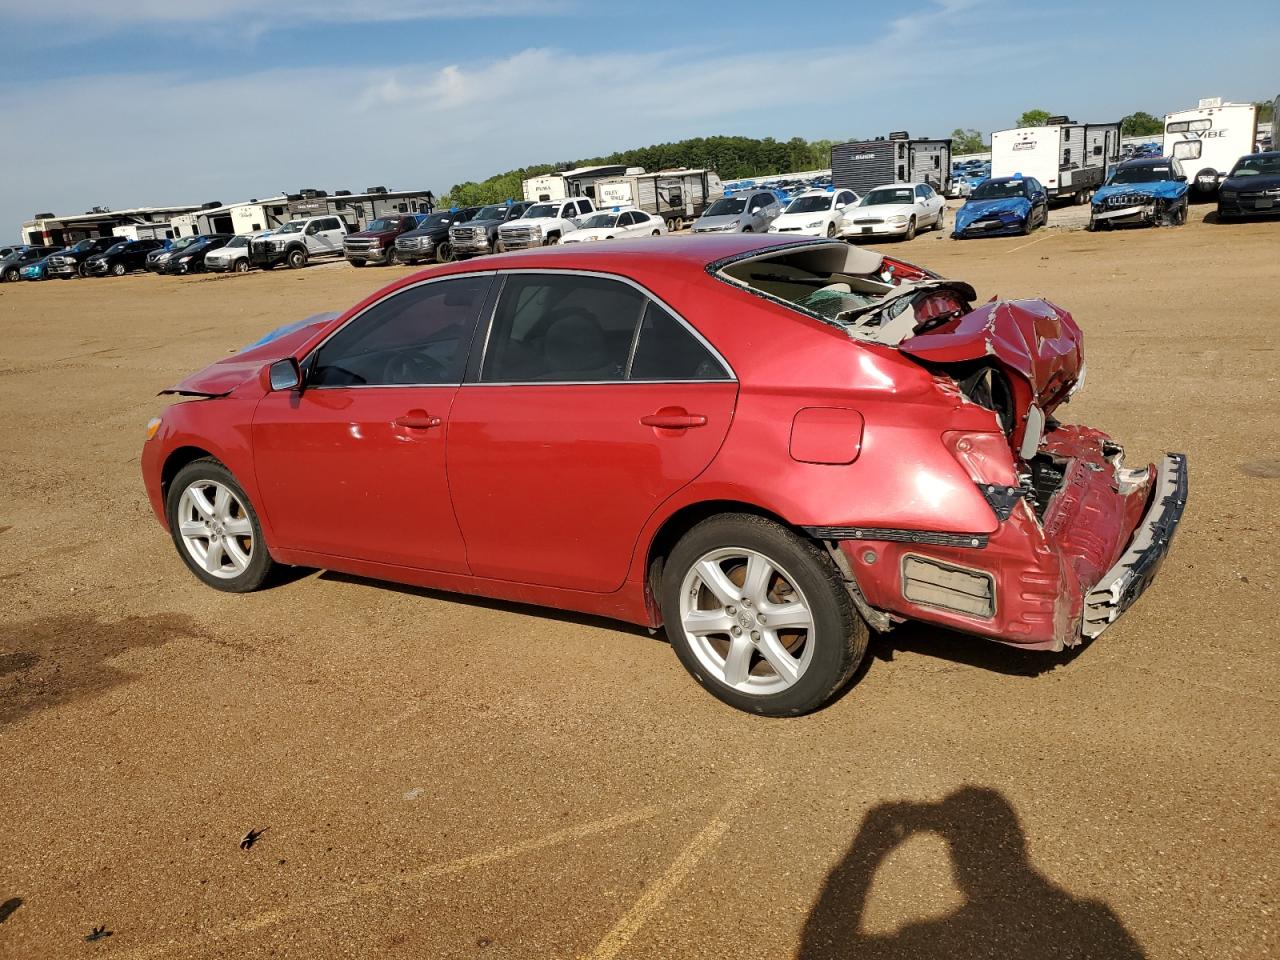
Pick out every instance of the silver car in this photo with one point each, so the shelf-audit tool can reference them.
(747, 212)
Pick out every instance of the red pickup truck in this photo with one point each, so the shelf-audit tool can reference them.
(376, 243)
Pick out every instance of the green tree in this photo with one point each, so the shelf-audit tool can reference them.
(1034, 118)
(1141, 124)
(966, 141)
(1266, 111)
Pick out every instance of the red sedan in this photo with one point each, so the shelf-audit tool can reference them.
(767, 446)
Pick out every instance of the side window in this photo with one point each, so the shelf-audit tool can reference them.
(568, 210)
(632, 218)
(418, 336)
(1187, 150)
(583, 208)
(565, 327)
(667, 350)
(313, 227)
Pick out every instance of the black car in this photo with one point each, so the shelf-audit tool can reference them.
(480, 234)
(124, 257)
(71, 261)
(190, 259)
(1252, 188)
(18, 258)
(431, 240)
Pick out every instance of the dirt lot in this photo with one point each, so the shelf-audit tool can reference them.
(442, 777)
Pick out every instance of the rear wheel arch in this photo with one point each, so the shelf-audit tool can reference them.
(676, 526)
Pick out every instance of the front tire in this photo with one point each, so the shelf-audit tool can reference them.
(216, 529)
(831, 231)
(297, 259)
(793, 638)
(118, 270)
(241, 265)
(392, 257)
(911, 230)
(444, 252)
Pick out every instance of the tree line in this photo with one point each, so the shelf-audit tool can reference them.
(737, 157)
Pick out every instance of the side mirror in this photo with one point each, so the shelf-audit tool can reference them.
(841, 206)
(285, 375)
(1181, 178)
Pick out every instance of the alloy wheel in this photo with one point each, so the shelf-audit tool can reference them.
(746, 621)
(215, 529)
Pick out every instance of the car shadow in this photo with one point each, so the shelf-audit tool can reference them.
(1010, 910)
(489, 603)
(962, 649)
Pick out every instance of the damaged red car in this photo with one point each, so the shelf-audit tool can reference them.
(769, 447)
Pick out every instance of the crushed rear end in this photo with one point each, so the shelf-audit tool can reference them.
(1079, 535)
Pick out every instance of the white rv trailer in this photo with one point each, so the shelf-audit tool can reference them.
(677, 196)
(1209, 139)
(1070, 159)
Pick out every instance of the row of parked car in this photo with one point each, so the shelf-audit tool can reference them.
(1140, 191)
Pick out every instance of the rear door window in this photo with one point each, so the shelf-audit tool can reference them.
(564, 328)
(668, 350)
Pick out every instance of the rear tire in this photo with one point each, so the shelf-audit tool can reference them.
(9, 276)
(216, 529)
(764, 568)
(942, 219)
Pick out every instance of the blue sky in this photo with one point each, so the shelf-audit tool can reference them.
(137, 102)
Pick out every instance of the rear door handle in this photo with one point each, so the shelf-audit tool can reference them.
(674, 421)
(417, 420)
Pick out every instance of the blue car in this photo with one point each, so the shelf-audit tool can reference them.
(39, 269)
(1000, 206)
(1152, 190)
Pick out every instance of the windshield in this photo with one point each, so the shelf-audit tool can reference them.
(436, 220)
(81, 246)
(116, 248)
(542, 210)
(999, 189)
(1255, 166)
(495, 211)
(816, 204)
(382, 223)
(238, 242)
(184, 243)
(600, 220)
(293, 226)
(1143, 173)
(726, 207)
(889, 195)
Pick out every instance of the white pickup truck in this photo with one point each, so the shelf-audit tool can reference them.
(545, 223)
(298, 241)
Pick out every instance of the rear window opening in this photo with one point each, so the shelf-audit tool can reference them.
(869, 296)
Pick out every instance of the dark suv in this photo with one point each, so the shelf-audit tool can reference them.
(430, 241)
(15, 260)
(479, 235)
(125, 256)
(71, 261)
(376, 243)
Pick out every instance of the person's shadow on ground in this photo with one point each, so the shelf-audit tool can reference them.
(1010, 911)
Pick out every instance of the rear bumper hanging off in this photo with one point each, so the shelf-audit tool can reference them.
(1133, 572)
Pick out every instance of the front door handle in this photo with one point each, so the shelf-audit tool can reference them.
(417, 420)
(674, 420)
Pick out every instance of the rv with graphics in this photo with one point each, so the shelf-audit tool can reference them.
(1209, 139)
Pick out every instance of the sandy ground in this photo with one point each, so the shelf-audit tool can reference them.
(443, 777)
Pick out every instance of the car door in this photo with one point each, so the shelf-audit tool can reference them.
(590, 405)
(331, 234)
(353, 465)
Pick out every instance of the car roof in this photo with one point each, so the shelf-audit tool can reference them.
(1145, 161)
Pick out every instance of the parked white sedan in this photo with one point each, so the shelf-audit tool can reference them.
(898, 210)
(612, 224)
(817, 213)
